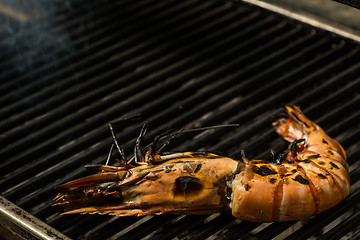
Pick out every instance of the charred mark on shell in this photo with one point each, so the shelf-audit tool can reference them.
(180, 161)
(295, 116)
(272, 180)
(294, 170)
(306, 125)
(306, 160)
(259, 161)
(294, 144)
(278, 158)
(187, 185)
(186, 180)
(322, 176)
(330, 152)
(324, 141)
(168, 171)
(198, 167)
(264, 171)
(334, 165)
(321, 163)
(314, 156)
(246, 186)
(301, 180)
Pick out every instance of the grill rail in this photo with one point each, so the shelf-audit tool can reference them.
(24, 225)
(182, 64)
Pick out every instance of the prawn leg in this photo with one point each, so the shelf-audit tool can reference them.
(113, 135)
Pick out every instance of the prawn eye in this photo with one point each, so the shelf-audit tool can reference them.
(186, 185)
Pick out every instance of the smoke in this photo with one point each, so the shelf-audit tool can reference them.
(28, 37)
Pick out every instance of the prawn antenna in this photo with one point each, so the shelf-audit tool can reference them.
(138, 155)
(120, 150)
(182, 131)
(136, 117)
(198, 129)
(109, 155)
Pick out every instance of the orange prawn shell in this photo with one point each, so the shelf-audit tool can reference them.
(252, 196)
(272, 197)
(309, 181)
(156, 181)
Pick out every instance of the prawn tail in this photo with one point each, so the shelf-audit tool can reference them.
(294, 124)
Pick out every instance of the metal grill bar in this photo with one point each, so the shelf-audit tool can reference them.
(46, 130)
(26, 140)
(343, 228)
(18, 83)
(13, 161)
(78, 44)
(20, 105)
(24, 225)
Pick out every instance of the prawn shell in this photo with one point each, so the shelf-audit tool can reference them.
(159, 188)
(320, 142)
(327, 154)
(276, 196)
(253, 196)
(326, 188)
(297, 201)
(185, 185)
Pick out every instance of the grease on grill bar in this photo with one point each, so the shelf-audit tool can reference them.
(182, 64)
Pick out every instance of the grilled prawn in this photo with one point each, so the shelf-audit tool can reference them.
(306, 179)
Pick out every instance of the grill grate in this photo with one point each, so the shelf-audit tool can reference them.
(182, 64)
